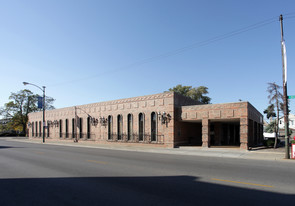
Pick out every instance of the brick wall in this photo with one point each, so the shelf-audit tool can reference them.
(163, 102)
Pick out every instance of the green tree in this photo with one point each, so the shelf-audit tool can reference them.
(271, 127)
(20, 105)
(196, 93)
(275, 97)
(270, 112)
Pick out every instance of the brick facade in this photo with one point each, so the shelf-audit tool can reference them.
(185, 118)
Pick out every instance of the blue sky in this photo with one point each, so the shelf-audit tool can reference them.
(91, 51)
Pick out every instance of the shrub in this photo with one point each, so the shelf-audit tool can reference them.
(270, 142)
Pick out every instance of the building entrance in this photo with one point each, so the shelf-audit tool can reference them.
(225, 133)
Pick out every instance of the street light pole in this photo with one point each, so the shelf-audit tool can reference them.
(43, 106)
(43, 114)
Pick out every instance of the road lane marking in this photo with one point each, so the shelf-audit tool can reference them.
(244, 183)
(98, 162)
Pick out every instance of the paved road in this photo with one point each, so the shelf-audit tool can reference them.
(36, 174)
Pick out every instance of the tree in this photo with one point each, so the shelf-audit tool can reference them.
(271, 127)
(21, 104)
(196, 93)
(270, 112)
(276, 97)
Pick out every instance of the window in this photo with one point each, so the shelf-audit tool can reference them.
(140, 126)
(110, 127)
(48, 130)
(153, 126)
(36, 127)
(40, 130)
(88, 127)
(80, 125)
(60, 128)
(73, 127)
(120, 126)
(33, 129)
(129, 126)
(67, 128)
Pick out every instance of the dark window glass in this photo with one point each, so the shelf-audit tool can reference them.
(88, 127)
(36, 127)
(48, 130)
(81, 127)
(60, 128)
(67, 128)
(129, 126)
(110, 127)
(153, 126)
(120, 126)
(140, 126)
(33, 129)
(40, 129)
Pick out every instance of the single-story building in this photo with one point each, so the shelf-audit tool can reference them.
(167, 119)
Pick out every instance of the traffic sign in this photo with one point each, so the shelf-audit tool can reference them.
(291, 97)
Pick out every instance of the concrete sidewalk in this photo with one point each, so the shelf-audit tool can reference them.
(259, 153)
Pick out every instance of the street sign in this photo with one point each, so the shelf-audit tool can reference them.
(291, 97)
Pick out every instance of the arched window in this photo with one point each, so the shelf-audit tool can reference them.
(88, 127)
(140, 126)
(80, 125)
(129, 126)
(120, 126)
(33, 129)
(40, 130)
(48, 130)
(36, 128)
(60, 128)
(73, 127)
(110, 127)
(67, 128)
(153, 126)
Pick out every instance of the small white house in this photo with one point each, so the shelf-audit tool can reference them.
(291, 122)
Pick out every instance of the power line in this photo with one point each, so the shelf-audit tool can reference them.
(180, 50)
(288, 14)
(289, 17)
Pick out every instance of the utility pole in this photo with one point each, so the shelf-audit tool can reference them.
(286, 112)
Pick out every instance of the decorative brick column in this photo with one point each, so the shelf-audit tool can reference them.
(205, 133)
(244, 133)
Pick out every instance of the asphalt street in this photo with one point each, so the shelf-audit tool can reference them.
(42, 174)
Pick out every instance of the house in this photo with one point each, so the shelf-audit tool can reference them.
(291, 125)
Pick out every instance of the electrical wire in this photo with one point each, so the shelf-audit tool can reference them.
(289, 17)
(179, 50)
(288, 14)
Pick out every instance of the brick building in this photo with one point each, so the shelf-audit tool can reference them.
(167, 119)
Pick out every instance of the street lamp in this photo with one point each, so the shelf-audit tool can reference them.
(43, 90)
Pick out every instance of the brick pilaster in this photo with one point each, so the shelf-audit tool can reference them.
(244, 133)
(205, 133)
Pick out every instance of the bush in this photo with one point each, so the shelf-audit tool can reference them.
(11, 133)
(270, 142)
(7, 134)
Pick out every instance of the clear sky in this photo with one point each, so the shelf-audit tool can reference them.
(98, 50)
